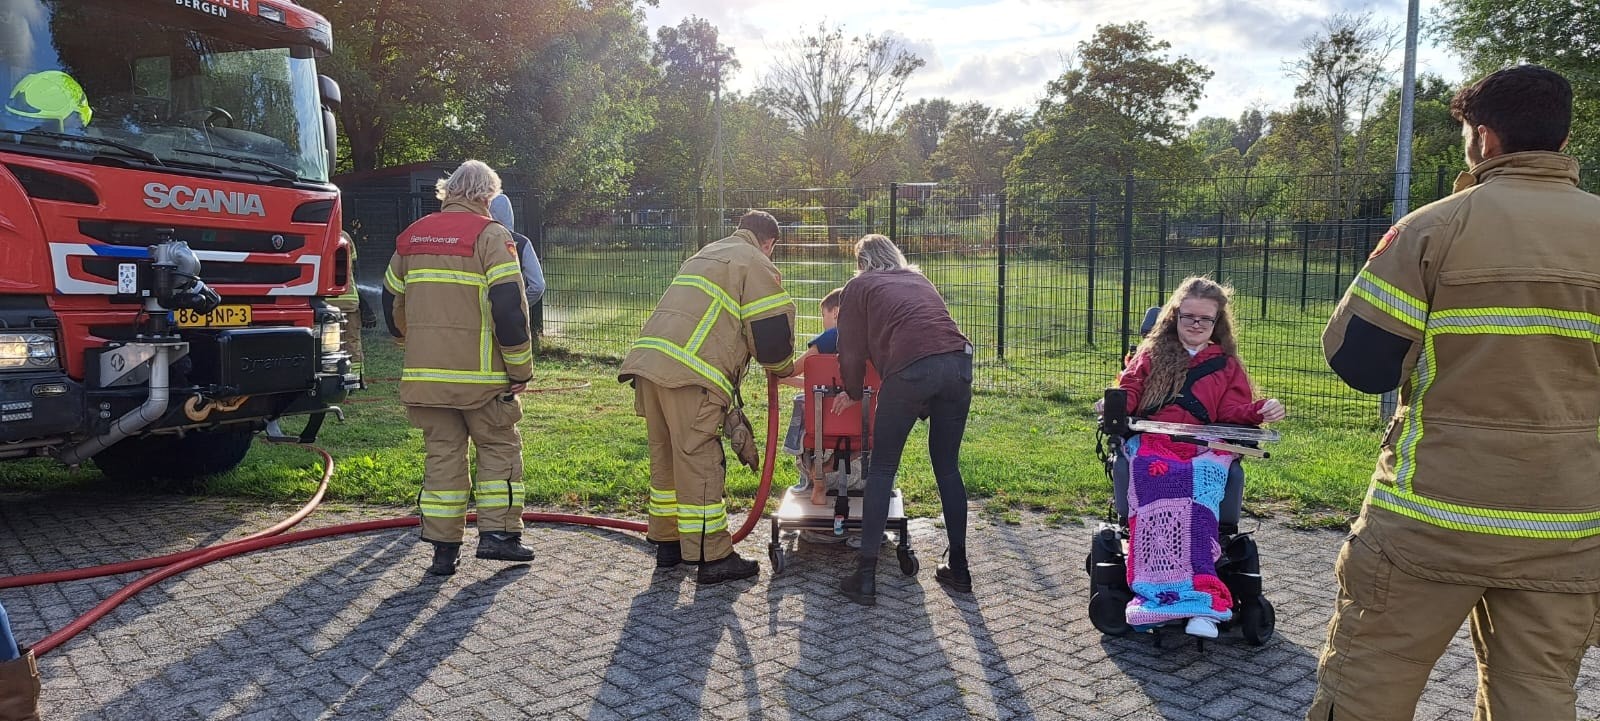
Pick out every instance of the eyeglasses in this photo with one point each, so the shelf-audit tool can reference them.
(1199, 321)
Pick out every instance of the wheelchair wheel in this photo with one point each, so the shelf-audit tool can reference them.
(1108, 612)
(1257, 619)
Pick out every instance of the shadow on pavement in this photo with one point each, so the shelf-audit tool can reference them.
(276, 644)
(668, 648)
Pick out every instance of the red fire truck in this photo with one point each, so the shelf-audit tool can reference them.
(168, 233)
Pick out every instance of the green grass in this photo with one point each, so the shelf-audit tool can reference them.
(585, 450)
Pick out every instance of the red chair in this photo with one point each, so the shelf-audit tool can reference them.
(844, 432)
(846, 435)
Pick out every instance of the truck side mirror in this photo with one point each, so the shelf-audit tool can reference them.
(330, 123)
(330, 92)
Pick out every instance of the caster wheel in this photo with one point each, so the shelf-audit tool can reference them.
(777, 556)
(1108, 613)
(908, 563)
(1257, 620)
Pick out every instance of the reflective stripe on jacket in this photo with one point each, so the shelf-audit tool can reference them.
(457, 302)
(700, 333)
(1489, 473)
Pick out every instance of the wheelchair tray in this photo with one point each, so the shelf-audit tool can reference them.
(1213, 432)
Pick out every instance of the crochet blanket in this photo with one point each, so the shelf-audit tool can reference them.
(1174, 489)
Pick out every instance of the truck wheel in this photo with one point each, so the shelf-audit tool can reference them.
(188, 459)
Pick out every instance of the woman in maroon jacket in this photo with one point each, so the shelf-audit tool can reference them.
(890, 314)
(1195, 326)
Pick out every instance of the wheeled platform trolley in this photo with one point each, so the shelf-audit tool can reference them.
(844, 436)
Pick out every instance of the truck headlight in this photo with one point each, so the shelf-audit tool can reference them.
(28, 351)
(332, 340)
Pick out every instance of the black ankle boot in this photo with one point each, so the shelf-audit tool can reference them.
(503, 546)
(953, 574)
(1226, 531)
(446, 557)
(862, 586)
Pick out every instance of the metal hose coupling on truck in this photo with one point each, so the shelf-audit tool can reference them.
(177, 285)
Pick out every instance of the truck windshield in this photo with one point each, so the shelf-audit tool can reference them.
(189, 84)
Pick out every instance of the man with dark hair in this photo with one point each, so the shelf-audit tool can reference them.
(726, 306)
(1484, 310)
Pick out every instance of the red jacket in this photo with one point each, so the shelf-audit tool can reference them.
(1225, 393)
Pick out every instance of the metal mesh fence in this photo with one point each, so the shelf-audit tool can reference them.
(1050, 286)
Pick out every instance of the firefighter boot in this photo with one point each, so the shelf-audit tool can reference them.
(862, 586)
(668, 554)
(727, 568)
(446, 556)
(19, 688)
(503, 546)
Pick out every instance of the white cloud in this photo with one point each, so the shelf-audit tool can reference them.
(1003, 52)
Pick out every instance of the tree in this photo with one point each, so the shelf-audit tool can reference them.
(1214, 135)
(1119, 110)
(840, 94)
(924, 123)
(1252, 126)
(553, 88)
(1563, 35)
(1436, 137)
(1343, 73)
(570, 107)
(978, 144)
(390, 62)
(693, 65)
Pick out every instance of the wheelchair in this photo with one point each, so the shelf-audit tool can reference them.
(1239, 567)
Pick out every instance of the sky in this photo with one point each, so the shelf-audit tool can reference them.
(1004, 52)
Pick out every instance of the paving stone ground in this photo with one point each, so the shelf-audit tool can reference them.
(350, 628)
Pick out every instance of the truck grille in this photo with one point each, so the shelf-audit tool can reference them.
(145, 234)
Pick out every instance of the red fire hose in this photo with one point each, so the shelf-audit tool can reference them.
(174, 564)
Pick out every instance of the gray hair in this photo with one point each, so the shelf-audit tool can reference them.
(474, 181)
(877, 252)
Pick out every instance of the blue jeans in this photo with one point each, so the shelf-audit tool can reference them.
(939, 387)
(797, 429)
(8, 642)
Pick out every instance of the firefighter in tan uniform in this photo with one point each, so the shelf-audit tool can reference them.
(1484, 309)
(725, 306)
(351, 305)
(453, 293)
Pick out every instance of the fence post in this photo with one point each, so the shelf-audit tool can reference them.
(1222, 222)
(871, 226)
(1000, 243)
(1127, 260)
(1161, 263)
(1266, 265)
(1338, 255)
(1438, 182)
(700, 217)
(894, 211)
(1305, 262)
(1094, 255)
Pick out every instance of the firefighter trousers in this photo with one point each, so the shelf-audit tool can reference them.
(1389, 628)
(492, 429)
(687, 469)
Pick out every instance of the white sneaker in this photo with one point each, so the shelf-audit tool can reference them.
(1202, 627)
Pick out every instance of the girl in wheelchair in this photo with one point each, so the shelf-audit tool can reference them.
(1180, 501)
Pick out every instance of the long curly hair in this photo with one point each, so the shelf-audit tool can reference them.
(1169, 361)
